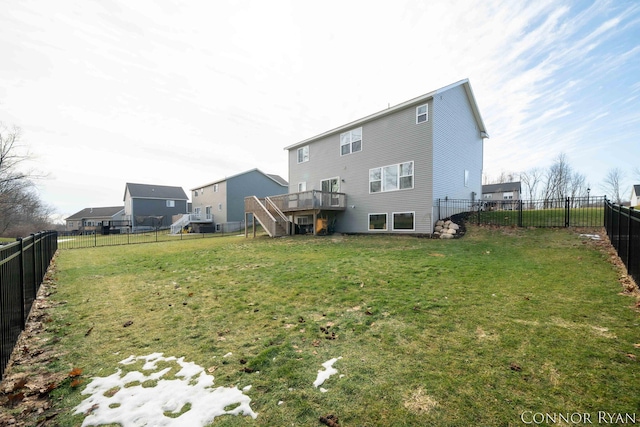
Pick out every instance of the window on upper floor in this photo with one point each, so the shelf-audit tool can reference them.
(302, 186)
(507, 196)
(351, 141)
(391, 178)
(303, 154)
(215, 188)
(422, 113)
(171, 203)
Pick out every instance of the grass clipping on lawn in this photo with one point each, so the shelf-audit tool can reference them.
(462, 332)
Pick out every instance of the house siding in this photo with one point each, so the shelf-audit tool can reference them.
(252, 183)
(156, 207)
(387, 140)
(457, 146)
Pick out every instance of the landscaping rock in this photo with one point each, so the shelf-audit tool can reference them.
(446, 229)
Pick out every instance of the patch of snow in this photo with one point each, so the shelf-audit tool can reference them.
(591, 236)
(328, 371)
(130, 401)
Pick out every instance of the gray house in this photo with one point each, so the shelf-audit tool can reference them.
(505, 196)
(91, 220)
(153, 206)
(219, 205)
(383, 173)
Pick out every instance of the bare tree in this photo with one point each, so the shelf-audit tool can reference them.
(20, 205)
(558, 178)
(612, 182)
(531, 179)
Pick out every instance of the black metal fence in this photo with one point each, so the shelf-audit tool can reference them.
(23, 265)
(623, 228)
(71, 240)
(567, 212)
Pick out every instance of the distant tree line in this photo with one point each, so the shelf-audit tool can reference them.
(21, 210)
(560, 180)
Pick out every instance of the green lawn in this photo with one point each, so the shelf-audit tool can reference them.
(474, 331)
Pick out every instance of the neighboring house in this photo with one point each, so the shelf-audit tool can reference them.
(102, 220)
(220, 204)
(153, 206)
(504, 196)
(384, 173)
(635, 196)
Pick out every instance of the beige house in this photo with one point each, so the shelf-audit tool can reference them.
(635, 196)
(90, 220)
(503, 196)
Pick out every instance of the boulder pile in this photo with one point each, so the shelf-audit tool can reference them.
(446, 229)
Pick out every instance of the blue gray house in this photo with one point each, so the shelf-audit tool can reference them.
(153, 206)
(385, 172)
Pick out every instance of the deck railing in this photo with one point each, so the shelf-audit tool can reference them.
(310, 200)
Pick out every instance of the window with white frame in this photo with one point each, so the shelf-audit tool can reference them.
(303, 154)
(378, 221)
(391, 178)
(507, 196)
(403, 221)
(215, 188)
(351, 141)
(302, 186)
(422, 113)
(171, 203)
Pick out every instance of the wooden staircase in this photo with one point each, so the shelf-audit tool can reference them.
(265, 211)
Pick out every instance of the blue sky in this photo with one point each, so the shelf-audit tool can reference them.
(174, 92)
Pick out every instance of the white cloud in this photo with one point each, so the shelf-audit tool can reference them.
(212, 90)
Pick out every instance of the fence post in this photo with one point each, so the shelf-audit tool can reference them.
(618, 230)
(22, 284)
(566, 212)
(629, 237)
(519, 213)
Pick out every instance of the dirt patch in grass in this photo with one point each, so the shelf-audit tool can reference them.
(420, 403)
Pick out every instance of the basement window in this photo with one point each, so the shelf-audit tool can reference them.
(378, 221)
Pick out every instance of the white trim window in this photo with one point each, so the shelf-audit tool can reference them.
(215, 188)
(422, 114)
(351, 141)
(302, 186)
(171, 203)
(391, 178)
(303, 154)
(377, 222)
(403, 221)
(507, 196)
